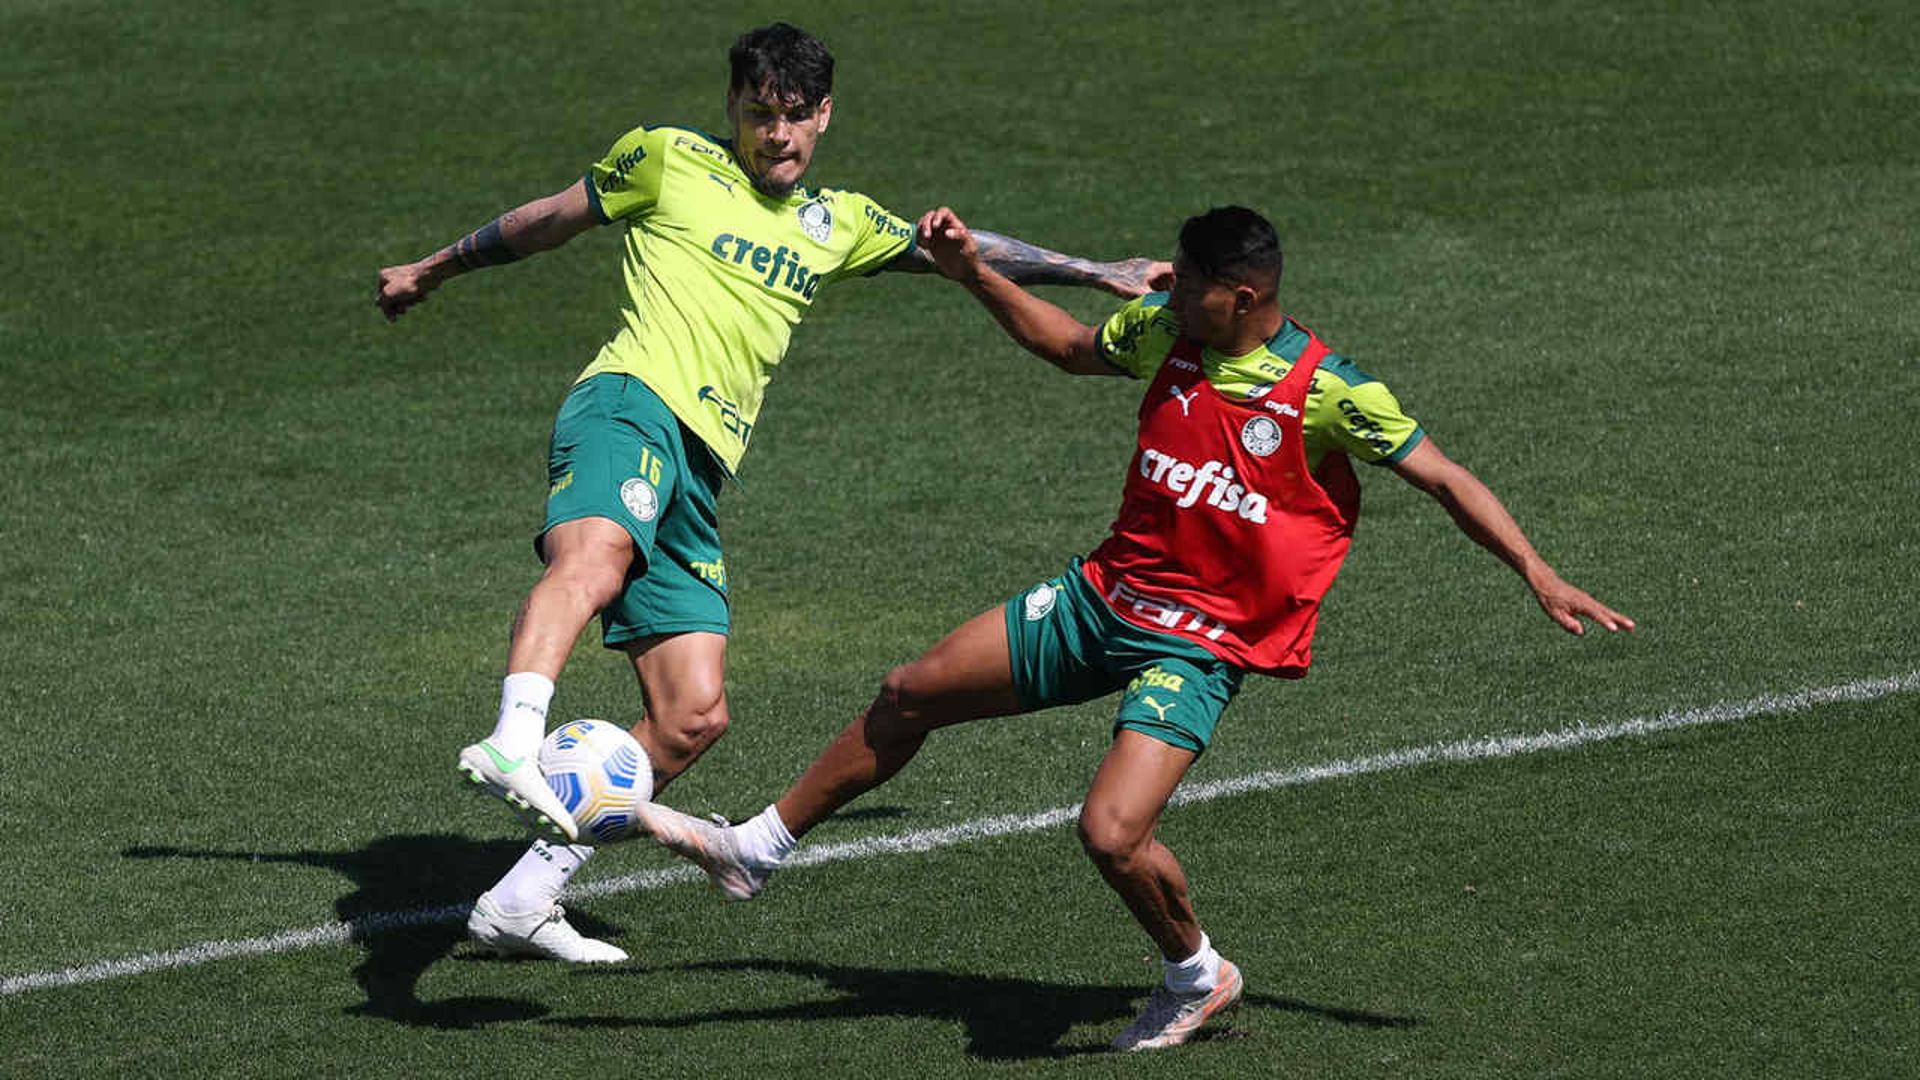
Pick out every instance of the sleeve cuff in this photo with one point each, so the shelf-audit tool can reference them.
(593, 200)
(1419, 436)
(891, 259)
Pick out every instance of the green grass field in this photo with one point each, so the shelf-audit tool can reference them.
(1647, 268)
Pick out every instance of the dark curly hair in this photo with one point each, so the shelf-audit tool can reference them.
(783, 58)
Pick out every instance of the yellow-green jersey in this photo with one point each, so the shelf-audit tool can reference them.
(1347, 410)
(717, 274)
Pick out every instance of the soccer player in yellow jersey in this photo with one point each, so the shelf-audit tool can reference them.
(725, 251)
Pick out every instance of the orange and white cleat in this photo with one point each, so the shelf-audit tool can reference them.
(1172, 1018)
(709, 845)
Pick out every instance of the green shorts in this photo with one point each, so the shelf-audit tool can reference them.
(1068, 646)
(619, 453)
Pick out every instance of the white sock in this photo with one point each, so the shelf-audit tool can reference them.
(764, 840)
(535, 881)
(1201, 971)
(524, 697)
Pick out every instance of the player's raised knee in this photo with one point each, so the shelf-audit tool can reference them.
(913, 690)
(705, 720)
(595, 582)
(899, 692)
(1108, 841)
(898, 710)
(689, 726)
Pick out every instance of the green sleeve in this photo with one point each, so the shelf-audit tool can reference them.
(1357, 415)
(1136, 338)
(626, 182)
(880, 236)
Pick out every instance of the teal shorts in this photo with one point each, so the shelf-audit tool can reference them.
(1068, 646)
(619, 453)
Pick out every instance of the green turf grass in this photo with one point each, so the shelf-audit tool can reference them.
(1649, 273)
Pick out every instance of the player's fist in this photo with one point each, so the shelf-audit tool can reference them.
(944, 237)
(400, 288)
(1129, 278)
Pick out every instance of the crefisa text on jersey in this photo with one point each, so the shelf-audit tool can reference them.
(1213, 480)
(772, 262)
(888, 224)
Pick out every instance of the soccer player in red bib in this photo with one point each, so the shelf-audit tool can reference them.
(1238, 509)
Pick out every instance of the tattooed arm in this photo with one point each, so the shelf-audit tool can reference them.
(540, 225)
(1026, 264)
(1043, 329)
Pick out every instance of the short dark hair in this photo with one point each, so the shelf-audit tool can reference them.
(783, 58)
(1233, 243)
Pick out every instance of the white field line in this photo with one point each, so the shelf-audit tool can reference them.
(1469, 750)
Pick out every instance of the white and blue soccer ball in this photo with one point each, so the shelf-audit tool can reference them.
(601, 774)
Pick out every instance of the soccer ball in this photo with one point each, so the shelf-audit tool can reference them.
(601, 774)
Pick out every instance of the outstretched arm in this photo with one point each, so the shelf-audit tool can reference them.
(1041, 328)
(537, 226)
(1480, 515)
(1025, 264)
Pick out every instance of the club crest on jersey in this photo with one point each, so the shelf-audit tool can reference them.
(816, 221)
(1039, 602)
(1260, 435)
(640, 499)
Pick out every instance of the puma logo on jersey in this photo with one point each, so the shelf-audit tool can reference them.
(1213, 482)
(1186, 399)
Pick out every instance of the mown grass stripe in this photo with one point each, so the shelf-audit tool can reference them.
(1489, 748)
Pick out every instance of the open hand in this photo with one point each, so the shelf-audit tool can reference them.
(1568, 605)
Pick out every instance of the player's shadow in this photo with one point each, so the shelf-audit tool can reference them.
(407, 911)
(1005, 1019)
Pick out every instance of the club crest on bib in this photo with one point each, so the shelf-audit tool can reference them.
(1260, 435)
(640, 499)
(1039, 602)
(816, 221)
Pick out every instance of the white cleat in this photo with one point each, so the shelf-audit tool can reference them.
(708, 844)
(1172, 1018)
(522, 785)
(545, 934)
